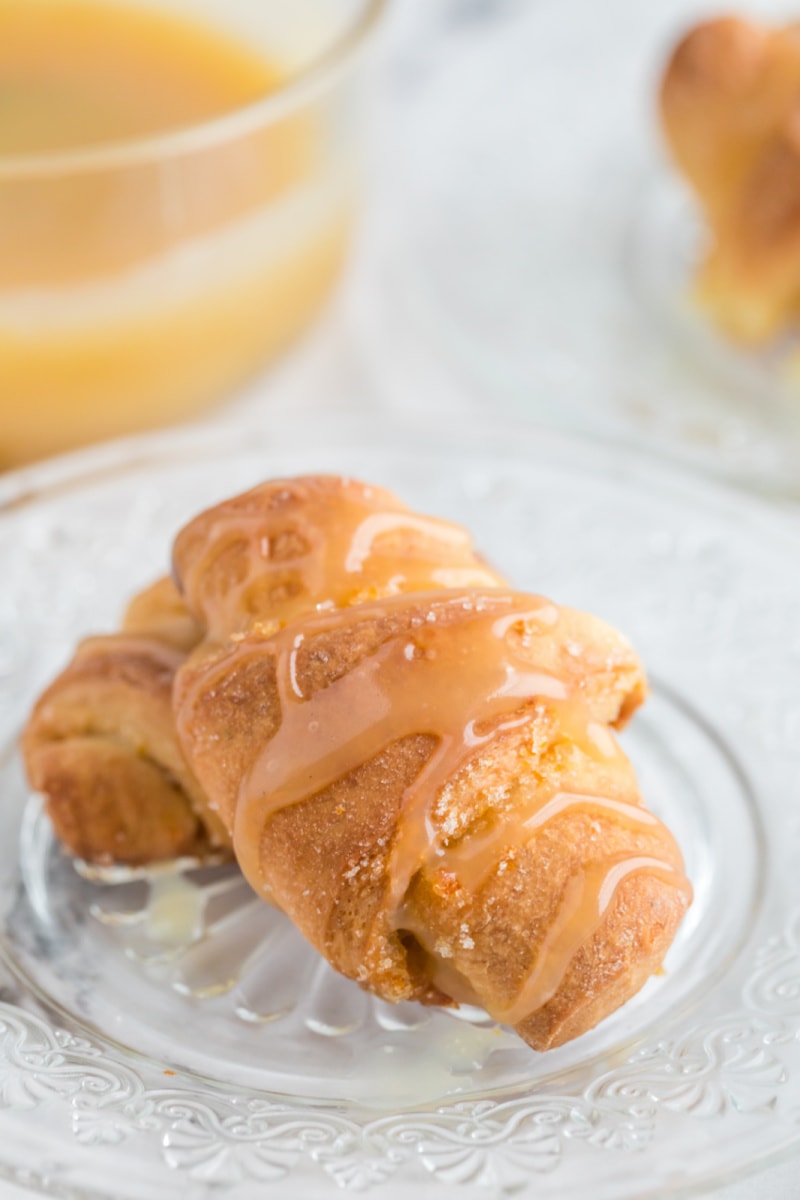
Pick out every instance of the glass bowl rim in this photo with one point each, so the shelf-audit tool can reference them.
(301, 88)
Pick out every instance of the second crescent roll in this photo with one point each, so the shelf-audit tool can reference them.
(101, 747)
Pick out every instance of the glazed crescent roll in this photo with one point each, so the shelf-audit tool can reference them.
(414, 761)
(730, 108)
(417, 764)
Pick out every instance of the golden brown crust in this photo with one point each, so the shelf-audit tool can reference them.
(108, 805)
(613, 965)
(730, 106)
(100, 746)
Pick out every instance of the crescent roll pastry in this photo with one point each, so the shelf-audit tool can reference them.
(101, 746)
(730, 106)
(416, 763)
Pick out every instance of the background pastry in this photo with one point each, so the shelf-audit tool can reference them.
(730, 107)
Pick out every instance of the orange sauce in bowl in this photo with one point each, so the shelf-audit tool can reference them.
(136, 288)
(77, 73)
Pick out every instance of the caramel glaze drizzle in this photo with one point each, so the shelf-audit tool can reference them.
(444, 680)
(454, 674)
(299, 545)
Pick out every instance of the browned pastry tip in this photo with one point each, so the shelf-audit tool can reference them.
(100, 746)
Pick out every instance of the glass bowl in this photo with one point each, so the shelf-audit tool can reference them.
(142, 280)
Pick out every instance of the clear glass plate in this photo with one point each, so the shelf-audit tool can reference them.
(163, 1033)
(536, 247)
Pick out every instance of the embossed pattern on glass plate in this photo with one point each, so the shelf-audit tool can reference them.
(706, 587)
